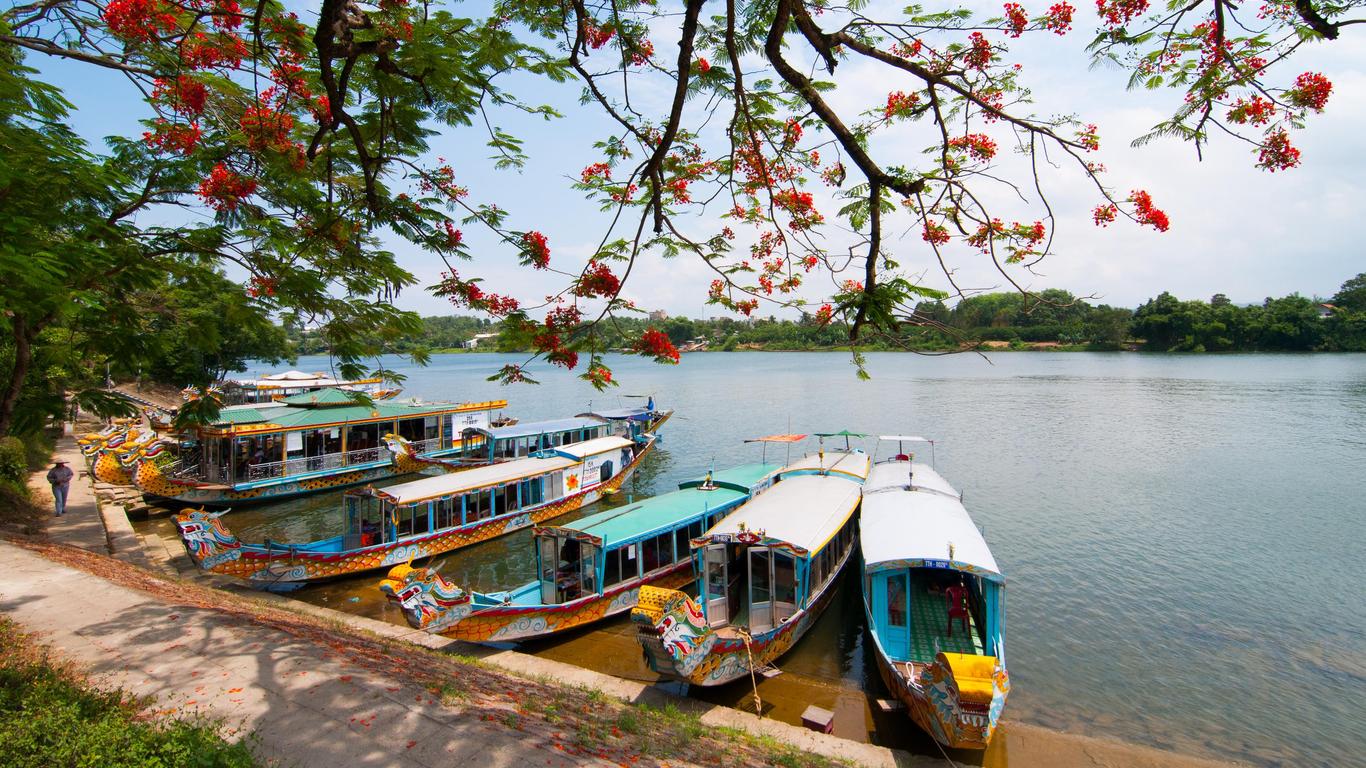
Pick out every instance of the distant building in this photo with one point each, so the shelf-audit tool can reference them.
(473, 343)
(658, 315)
(1326, 311)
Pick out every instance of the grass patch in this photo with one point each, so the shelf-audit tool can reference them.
(50, 715)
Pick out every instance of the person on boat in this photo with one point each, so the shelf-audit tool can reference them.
(259, 457)
(957, 600)
(59, 477)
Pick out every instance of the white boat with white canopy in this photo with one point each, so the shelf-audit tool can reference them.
(935, 600)
(764, 574)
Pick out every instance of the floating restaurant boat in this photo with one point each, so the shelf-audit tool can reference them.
(110, 463)
(589, 570)
(430, 516)
(927, 572)
(305, 443)
(765, 572)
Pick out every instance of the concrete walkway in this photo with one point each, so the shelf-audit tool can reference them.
(82, 525)
(305, 705)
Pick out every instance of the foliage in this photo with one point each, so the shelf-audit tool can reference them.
(305, 143)
(1290, 323)
(13, 461)
(52, 717)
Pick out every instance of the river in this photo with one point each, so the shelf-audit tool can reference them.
(1182, 535)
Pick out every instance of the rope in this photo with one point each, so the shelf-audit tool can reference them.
(753, 681)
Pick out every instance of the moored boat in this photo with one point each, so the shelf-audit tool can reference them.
(765, 572)
(277, 386)
(588, 570)
(935, 602)
(421, 518)
(315, 441)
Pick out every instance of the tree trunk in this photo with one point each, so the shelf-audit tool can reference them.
(23, 356)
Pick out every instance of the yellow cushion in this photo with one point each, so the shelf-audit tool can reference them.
(972, 675)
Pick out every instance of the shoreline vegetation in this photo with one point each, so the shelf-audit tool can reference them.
(1053, 320)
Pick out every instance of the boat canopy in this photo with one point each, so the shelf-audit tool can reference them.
(899, 475)
(919, 526)
(853, 463)
(667, 511)
(535, 428)
(741, 478)
(592, 447)
(639, 413)
(468, 480)
(323, 397)
(904, 439)
(803, 511)
(777, 439)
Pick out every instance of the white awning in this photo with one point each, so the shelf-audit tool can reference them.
(900, 526)
(904, 439)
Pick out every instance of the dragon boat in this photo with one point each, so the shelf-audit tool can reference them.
(922, 554)
(588, 571)
(421, 518)
(764, 574)
(315, 441)
(112, 462)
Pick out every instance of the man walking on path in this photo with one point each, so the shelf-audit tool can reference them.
(59, 477)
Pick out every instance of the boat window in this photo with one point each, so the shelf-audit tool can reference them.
(447, 513)
(896, 600)
(650, 556)
(404, 520)
(817, 572)
(680, 543)
(695, 529)
(500, 500)
(784, 585)
(605, 473)
(630, 562)
(611, 572)
(477, 506)
(422, 519)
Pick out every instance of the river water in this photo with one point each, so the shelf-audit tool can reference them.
(1182, 536)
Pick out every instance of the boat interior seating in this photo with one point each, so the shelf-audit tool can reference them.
(929, 619)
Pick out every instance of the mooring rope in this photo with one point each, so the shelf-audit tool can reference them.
(753, 681)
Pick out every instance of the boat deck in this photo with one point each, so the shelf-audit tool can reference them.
(929, 623)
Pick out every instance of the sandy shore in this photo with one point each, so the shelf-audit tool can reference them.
(1027, 745)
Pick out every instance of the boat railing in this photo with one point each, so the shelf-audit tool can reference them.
(308, 464)
(426, 446)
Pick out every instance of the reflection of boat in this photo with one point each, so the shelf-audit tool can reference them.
(278, 386)
(590, 569)
(765, 573)
(923, 559)
(305, 443)
(430, 516)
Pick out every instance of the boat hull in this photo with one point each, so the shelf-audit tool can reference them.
(515, 623)
(932, 703)
(220, 552)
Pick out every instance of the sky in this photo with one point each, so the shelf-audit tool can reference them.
(1235, 229)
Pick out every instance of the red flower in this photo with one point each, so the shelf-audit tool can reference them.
(656, 344)
(199, 51)
(181, 139)
(935, 234)
(1059, 18)
(535, 249)
(597, 280)
(1311, 91)
(978, 55)
(1089, 139)
(899, 104)
(224, 189)
(1103, 215)
(597, 37)
(1016, 19)
(453, 236)
(139, 20)
(978, 145)
(322, 110)
(266, 128)
(1277, 153)
(1120, 12)
(1256, 110)
(703, 67)
(184, 94)
(1146, 212)
(642, 53)
(824, 314)
(594, 171)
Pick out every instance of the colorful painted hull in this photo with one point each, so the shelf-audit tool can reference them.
(679, 645)
(435, 605)
(934, 703)
(215, 549)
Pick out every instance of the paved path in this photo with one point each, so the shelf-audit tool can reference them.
(306, 705)
(82, 525)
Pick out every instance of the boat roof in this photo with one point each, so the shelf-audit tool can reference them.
(804, 510)
(277, 416)
(327, 396)
(903, 526)
(613, 414)
(540, 427)
(594, 446)
(896, 475)
(853, 463)
(666, 511)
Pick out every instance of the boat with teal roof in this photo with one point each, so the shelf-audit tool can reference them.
(934, 598)
(589, 570)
